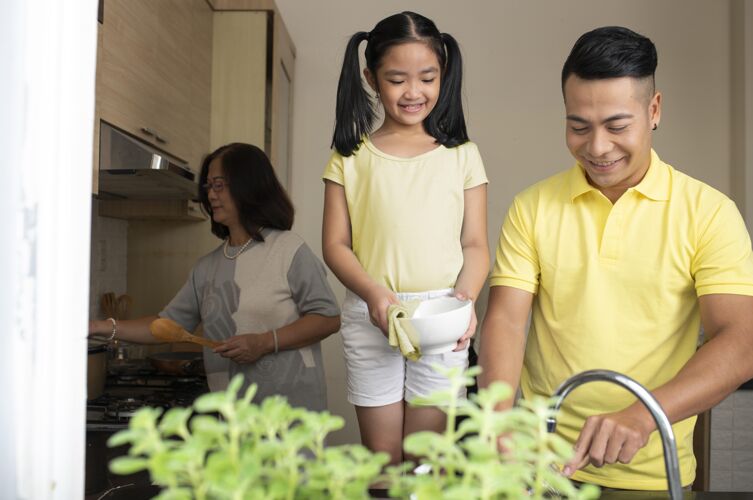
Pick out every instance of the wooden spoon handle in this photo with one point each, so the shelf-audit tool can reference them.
(202, 341)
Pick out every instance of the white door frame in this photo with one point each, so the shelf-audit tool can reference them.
(48, 50)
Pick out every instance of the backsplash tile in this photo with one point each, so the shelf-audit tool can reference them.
(731, 456)
(109, 252)
(721, 480)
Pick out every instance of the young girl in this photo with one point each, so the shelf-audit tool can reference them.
(404, 216)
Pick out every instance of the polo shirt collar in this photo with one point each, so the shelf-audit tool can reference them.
(578, 182)
(655, 185)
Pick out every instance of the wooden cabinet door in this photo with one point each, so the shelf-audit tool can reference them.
(172, 76)
(200, 92)
(283, 72)
(239, 78)
(155, 72)
(127, 91)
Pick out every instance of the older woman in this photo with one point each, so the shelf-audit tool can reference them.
(262, 291)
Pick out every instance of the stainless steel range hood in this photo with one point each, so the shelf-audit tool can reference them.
(133, 169)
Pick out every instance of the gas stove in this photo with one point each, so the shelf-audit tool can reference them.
(125, 394)
(126, 391)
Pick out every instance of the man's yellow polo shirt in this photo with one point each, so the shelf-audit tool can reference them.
(616, 288)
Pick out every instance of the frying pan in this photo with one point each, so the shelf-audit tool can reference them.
(178, 363)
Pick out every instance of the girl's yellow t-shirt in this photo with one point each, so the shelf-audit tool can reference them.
(406, 214)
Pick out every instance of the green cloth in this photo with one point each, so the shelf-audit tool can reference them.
(402, 335)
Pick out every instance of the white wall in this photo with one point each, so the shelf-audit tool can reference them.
(513, 53)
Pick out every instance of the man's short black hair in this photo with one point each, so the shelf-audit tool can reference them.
(611, 52)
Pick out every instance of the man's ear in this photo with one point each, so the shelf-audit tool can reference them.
(654, 110)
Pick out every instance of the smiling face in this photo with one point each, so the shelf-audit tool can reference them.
(224, 210)
(609, 124)
(407, 80)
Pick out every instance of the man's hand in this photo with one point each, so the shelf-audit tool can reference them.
(610, 438)
(246, 348)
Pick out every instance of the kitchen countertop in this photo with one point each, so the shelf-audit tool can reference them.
(139, 492)
(640, 495)
(690, 495)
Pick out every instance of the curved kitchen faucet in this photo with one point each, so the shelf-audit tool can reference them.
(671, 462)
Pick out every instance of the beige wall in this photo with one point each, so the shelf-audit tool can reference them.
(513, 53)
(742, 109)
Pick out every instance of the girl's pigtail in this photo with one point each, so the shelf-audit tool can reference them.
(447, 122)
(354, 112)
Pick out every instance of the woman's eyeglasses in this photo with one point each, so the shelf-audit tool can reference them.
(217, 185)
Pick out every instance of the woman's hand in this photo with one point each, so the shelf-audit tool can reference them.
(379, 300)
(246, 348)
(471, 331)
(100, 327)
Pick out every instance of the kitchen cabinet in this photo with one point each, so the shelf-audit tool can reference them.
(154, 74)
(199, 74)
(252, 59)
(252, 78)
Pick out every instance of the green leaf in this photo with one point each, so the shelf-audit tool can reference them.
(250, 393)
(494, 393)
(479, 450)
(440, 399)
(161, 473)
(174, 421)
(208, 426)
(220, 472)
(589, 492)
(234, 386)
(210, 402)
(175, 494)
(562, 448)
(473, 371)
(560, 483)
(126, 436)
(127, 465)
(145, 418)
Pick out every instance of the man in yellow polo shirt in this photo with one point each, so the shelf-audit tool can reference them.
(619, 260)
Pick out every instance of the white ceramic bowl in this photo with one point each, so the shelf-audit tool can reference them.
(440, 322)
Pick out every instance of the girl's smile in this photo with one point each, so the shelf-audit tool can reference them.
(412, 108)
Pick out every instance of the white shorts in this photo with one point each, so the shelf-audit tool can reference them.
(378, 374)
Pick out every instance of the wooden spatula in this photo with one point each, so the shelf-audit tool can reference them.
(168, 330)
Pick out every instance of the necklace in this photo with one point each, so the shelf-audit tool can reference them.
(243, 247)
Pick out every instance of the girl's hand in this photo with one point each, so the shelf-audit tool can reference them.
(471, 331)
(379, 300)
(246, 348)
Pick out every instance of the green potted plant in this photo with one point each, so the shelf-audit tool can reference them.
(228, 447)
(465, 461)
